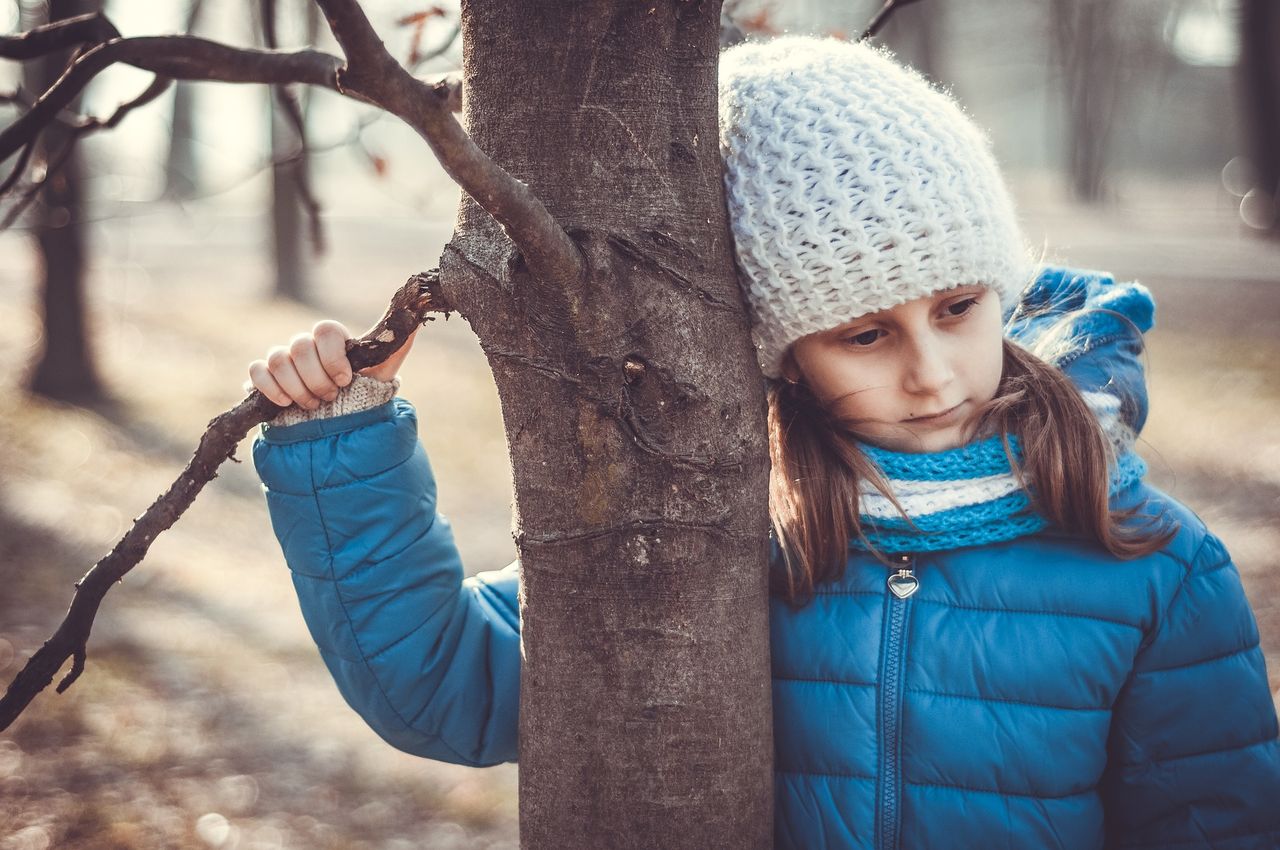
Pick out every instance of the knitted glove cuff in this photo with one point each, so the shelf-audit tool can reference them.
(361, 394)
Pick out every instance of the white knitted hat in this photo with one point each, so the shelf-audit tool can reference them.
(854, 186)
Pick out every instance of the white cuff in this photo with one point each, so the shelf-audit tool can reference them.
(361, 394)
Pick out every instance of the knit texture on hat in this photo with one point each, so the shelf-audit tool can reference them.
(853, 186)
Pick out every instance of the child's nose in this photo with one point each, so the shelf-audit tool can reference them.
(930, 368)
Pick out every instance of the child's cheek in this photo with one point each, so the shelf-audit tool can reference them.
(986, 353)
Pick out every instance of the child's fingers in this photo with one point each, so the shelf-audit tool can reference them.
(280, 362)
(260, 377)
(331, 345)
(387, 369)
(306, 360)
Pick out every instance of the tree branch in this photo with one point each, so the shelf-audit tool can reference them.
(80, 125)
(372, 74)
(409, 307)
(59, 35)
(882, 17)
(181, 57)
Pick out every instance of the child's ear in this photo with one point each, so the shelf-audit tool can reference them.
(790, 369)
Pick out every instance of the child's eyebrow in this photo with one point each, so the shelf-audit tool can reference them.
(852, 323)
(965, 289)
(970, 289)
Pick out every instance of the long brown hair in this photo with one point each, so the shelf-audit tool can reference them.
(813, 486)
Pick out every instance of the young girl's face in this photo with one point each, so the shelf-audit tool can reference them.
(910, 378)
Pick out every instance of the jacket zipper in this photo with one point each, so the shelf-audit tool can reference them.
(902, 584)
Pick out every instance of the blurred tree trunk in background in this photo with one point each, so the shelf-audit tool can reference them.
(289, 246)
(914, 34)
(1260, 80)
(64, 367)
(1084, 52)
(181, 173)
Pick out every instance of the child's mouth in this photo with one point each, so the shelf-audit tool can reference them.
(944, 417)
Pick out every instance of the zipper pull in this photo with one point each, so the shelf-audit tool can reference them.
(903, 583)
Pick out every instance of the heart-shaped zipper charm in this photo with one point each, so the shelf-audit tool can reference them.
(903, 584)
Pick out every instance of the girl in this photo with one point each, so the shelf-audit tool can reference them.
(987, 631)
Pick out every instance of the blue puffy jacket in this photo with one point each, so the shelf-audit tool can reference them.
(1035, 693)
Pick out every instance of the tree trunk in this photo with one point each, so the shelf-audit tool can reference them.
(1082, 39)
(288, 249)
(288, 220)
(181, 175)
(64, 368)
(1260, 78)
(913, 35)
(634, 414)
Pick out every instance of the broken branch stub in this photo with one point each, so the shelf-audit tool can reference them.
(409, 308)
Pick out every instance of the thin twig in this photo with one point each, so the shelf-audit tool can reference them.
(80, 126)
(18, 170)
(409, 308)
(882, 17)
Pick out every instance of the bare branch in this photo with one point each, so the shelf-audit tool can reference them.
(81, 125)
(371, 73)
(180, 57)
(882, 17)
(356, 36)
(416, 56)
(17, 172)
(409, 307)
(52, 166)
(158, 86)
(93, 28)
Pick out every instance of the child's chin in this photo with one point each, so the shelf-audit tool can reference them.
(918, 442)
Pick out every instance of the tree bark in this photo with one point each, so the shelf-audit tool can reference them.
(64, 368)
(634, 414)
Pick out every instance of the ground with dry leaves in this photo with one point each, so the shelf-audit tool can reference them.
(205, 717)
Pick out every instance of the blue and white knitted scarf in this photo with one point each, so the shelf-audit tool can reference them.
(969, 496)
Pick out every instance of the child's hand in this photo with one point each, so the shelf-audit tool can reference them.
(314, 366)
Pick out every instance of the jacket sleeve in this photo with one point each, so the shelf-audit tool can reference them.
(431, 661)
(1193, 756)
(1092, 328)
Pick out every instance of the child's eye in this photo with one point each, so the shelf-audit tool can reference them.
(959, 308)
(864, 338)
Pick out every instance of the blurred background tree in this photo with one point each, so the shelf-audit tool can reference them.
(181, 174)
(64, 367)
(1260, 80)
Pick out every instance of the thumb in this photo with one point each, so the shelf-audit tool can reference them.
(389, 368)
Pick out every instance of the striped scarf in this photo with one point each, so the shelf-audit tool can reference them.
(969, 495)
